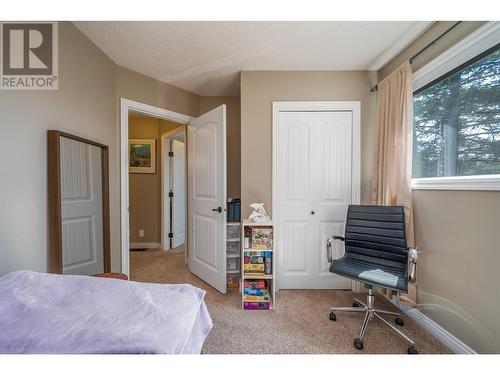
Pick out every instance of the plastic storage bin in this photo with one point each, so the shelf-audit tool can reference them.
(233, 280)
(233, 246)
(233, 231)
(233, 264)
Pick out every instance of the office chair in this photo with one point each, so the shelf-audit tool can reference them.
(376, 255)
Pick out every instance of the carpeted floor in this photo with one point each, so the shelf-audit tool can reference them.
(298, 325)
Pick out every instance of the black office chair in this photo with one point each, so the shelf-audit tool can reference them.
(375, 254)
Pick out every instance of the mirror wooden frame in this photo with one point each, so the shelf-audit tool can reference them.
(55, 263)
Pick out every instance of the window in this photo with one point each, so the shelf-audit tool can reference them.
(457, 121)
(456, 104)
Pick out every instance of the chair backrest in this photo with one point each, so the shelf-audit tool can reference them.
(377, 234)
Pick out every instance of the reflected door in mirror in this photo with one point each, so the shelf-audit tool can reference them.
(81, 207)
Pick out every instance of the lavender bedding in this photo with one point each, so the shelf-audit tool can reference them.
(46, 313)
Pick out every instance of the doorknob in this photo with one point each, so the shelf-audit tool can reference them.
(218, 209)
(312, 212)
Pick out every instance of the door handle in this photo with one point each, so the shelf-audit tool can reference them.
(218, 209)
(312, 212)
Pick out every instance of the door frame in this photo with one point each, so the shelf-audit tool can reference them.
(55, 206)
(317, 106)
(127, 105)
(165, 219)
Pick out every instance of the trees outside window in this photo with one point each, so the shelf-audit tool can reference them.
(457, 121)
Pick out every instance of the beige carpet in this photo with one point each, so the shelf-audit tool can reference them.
(298, 325)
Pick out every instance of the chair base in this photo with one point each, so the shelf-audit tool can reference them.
(370, 312)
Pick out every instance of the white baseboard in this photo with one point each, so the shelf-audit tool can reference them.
(442, 335)
(145, 245)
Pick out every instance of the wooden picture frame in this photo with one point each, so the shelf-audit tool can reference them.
(141, 155)
(55, 262)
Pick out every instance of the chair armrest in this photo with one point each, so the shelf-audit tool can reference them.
(329, 241)
(412, 264)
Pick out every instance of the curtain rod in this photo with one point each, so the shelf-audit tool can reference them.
(374, 88)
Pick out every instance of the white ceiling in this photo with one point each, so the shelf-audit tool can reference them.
(206, 57)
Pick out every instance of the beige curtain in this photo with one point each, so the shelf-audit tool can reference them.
(392, 169)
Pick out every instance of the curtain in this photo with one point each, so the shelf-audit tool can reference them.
(393, 154)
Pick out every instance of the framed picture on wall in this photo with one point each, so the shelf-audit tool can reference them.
(142, 155)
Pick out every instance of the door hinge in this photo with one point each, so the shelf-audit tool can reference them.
(170, 194)
(171, 154)
(170, 235)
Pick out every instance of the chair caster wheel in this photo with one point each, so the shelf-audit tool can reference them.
(399, 321)
(412, 350)
(333, 316)
(355, 304)
(358, 344)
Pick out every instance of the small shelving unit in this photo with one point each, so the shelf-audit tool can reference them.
(233, 254)
(266, 247)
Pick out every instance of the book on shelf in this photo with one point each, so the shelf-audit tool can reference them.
(254, 259)
(258, 238)
(259, 268)
(258, 262)
(255, 292)
(257, 298)
(262, 238)
(248, 305)
(257, 253)
(255, 284)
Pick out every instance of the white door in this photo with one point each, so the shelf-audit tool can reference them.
(81, 208)
(207, 197)
(178, 186)
(314, 189)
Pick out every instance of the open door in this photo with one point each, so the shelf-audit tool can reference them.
(178, 200)
(207, 197)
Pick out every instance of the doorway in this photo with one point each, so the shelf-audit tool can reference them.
(153, 177)
(315, 177)
(126, 108)
(205, 145)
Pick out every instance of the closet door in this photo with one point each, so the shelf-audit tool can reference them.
(314, 170)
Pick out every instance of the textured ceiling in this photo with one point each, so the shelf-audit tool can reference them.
(206, 57)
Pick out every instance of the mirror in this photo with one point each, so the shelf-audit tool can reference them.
(78, 178)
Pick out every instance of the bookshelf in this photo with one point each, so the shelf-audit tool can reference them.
(257, 266)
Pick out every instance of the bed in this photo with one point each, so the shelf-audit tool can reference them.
(48, 313)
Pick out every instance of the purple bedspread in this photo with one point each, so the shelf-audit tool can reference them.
(46, 313)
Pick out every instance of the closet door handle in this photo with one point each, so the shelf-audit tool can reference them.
(312, 212)
(218, 209)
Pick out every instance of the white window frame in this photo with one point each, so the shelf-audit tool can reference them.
(479, 41)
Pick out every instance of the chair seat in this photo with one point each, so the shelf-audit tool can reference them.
(371, 273)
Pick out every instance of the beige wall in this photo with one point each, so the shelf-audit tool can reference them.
(260, 88)
(458, 235)
(233, 136)
(141, 88)
(83, 105)
(87, 104)
(144, 188)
